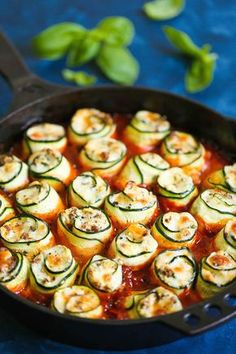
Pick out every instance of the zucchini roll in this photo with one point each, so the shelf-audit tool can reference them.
(133, 204)
(151, 303)
(86, 230)
(79, 301)
(146, 129)
(27, 235)
(44, 135)
(104, 156)
(176, 188)
(13, 270)
(143, 169)
(172, 230)
(39, 199)
(216, 272)
(13, 173)
(183, 150)
(133, 247)
(102, 274)
(174, 269)
(52, 167)
(6, 210)
(223, 179)
(88, 189)
(53, 269)
(214, 207)
(225, 240)
(89, 123)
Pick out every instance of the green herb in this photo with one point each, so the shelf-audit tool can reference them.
(201, 72)
(79, 77)
(163, 9)
(118, 64)
(106, 44)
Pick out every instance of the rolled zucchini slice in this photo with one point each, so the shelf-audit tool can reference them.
(103, 156)
(14, 269)
(134, 204)
(27, 235)
(146, 129)
(224, 179)
(183, 150)
(174, 269)
(79, 301)
(52, 167)
(102, 274)
(43, 136)
(151, 303)
(88, 189)
(87, 124)
(214, 207)
(174, 230)
(39, 199)
(216, 272)
(53, 269)
(225, 240)
(133, 247)
(6, 210)
(86, 230)
(13, 173)
(176, 188)
(143, 169)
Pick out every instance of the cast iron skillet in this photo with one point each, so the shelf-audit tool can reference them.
(35, 100)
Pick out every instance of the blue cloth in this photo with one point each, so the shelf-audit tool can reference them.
(207, 21)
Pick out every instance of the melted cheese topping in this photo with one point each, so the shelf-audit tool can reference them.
(104, 274)
(45, 132)
(23, 229)
(33, 194)
(181, 143)
(136, 240)
(175, 181)
(10, 167)
(44, 160)
(176, 268)
(150, 122)
(90, 220)
(220, 200)
(58, 258)
(230, 176)
(133, 197)
(155, 160)
(182, 226)
(105, 150)
(90, 121)
(8, 262)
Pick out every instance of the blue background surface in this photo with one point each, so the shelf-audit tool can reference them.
(207, 21)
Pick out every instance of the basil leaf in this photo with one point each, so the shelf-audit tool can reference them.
(200, 74)
(54, 42)
(118, 64)
(82, 51)
(79, 77)
(163, 9)
(118, 31)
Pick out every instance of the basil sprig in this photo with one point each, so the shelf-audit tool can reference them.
(106, 45)
(78, 77)
(163, 9)
(201, 71)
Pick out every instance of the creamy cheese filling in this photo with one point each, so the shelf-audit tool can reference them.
(175, 181)
(10, 166)
(45, 132)
(230, 176)
(154, 160)
(105, 150)
(90, 121)
(182, 226)
(181, 143)
(90, 220)
(58, 258)
(147, 121)
(220, 200)
(44, 160)
(33, 194)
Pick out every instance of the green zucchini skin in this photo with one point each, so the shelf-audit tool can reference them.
(13, 173)
(6, 210)
(88, 189)
(174, 269)
(46, 276)
(222, 179)
(147, 129)
(87, 124)
(225, 240)
(151, 303)
(216, 272)
(14, 269)
(78, 300)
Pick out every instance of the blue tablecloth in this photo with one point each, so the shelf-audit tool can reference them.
(207, 21)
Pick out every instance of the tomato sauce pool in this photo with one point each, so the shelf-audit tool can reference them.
(134, 280)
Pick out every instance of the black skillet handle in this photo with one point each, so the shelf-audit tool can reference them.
(26, 86)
